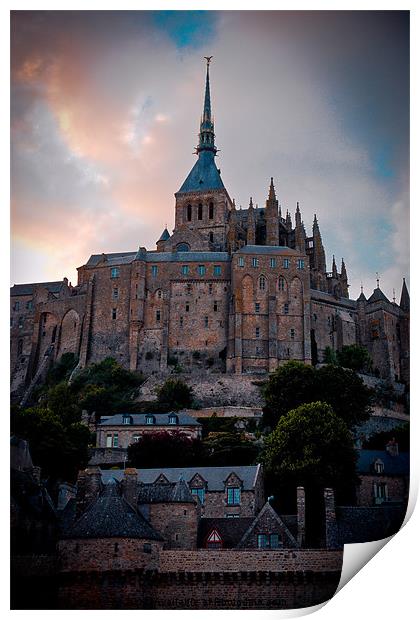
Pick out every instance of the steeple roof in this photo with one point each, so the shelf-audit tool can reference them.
(377, 295)
(110, 516)
(405, 297)
(204, 174)
(164, 236)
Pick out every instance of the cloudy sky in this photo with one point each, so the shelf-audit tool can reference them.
(105, 116)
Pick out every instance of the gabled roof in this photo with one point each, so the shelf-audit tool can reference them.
(267, 508)
(116, 258)
(214, 476)
(393, 465)
(203, 176)
(29, 289)
(164, 236)
(110, 516)
(165, 493)
(139, 419)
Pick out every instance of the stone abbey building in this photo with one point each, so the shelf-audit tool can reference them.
(240, 290)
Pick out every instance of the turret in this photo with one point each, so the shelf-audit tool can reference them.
(272, 216)
(250, 233)
(300, 235)
(343, 280)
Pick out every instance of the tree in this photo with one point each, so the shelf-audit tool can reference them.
(229, 448)
(289, 386)
(311, 446)
(346, 392)
(295, 384)
(166, 449)
(355, 357)
(62, 402)
(174, 395)
(330, 356)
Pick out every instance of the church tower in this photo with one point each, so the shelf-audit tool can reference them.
(272, 216)
(202, 202)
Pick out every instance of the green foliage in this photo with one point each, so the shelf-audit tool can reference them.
(229, 448)
(401, 434)
(311, 447)
(288, 387)
(213, 424)
(59, 450)
(173, 395)
(62, 369)
(62, 402)
(108, 374)
(295, 384)
(355, 357)
(330, 356)
(166, 449)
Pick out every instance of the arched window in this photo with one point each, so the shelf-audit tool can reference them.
(159, 294)
(189, 213)
(282, 284)
(200, 212)
(261, 283)
(211, 211)
(182, 247)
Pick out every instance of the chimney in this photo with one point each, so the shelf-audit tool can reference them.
(392, 447)
(300, 491)
(129, 486)
(89, 485)
(331, 532)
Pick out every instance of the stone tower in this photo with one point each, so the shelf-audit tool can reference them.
(202, 202)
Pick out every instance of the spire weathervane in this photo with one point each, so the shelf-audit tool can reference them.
(377, 280)
(208, 58)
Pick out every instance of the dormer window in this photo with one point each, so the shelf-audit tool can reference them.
(150, 419)
(379, 467)
(182, 247)
(233, 496)
(200, 493)
(127, 419)
(173, 419)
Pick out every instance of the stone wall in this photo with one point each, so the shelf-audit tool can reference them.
(397, 488)
(107, 554)
(226, 412)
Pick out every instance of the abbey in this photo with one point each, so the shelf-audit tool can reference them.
(235, 290)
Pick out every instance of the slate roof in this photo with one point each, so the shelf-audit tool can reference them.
(110, 516)
(164, 236)
(139, 419)
(214, 476)
(393, 465)
(268, 249)
(342, 301)
(184, 257)
(203, 176)
(28, 289)
(116, 258)
(377, 295)
(231, 530)
(163, 493)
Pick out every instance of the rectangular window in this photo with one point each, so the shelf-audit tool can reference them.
(217, 270)
(272, 263)
(154, 270)
(274, 541)
(301, 264)
(286, 263)
(210, 288)
(263, 541)
(201, 270)
(234, 496)
(200, 493)
(115, 440)
(286, 308)
(20, 324)
(187, 307)
(185, 270)
(115, 272)
(257, 332)
(257, 308)
(109, 440)
(136, 438)
(115, 293)
(292, 334)
(16, 305)
(181, 321)
(241, 261)
(114, 314)
(206, 321)
(157, 315)
(254, 262)
(29, 305)
(215, 308)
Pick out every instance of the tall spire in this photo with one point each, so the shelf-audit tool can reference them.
(405, 298)
(206, 142)
(334, 268)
